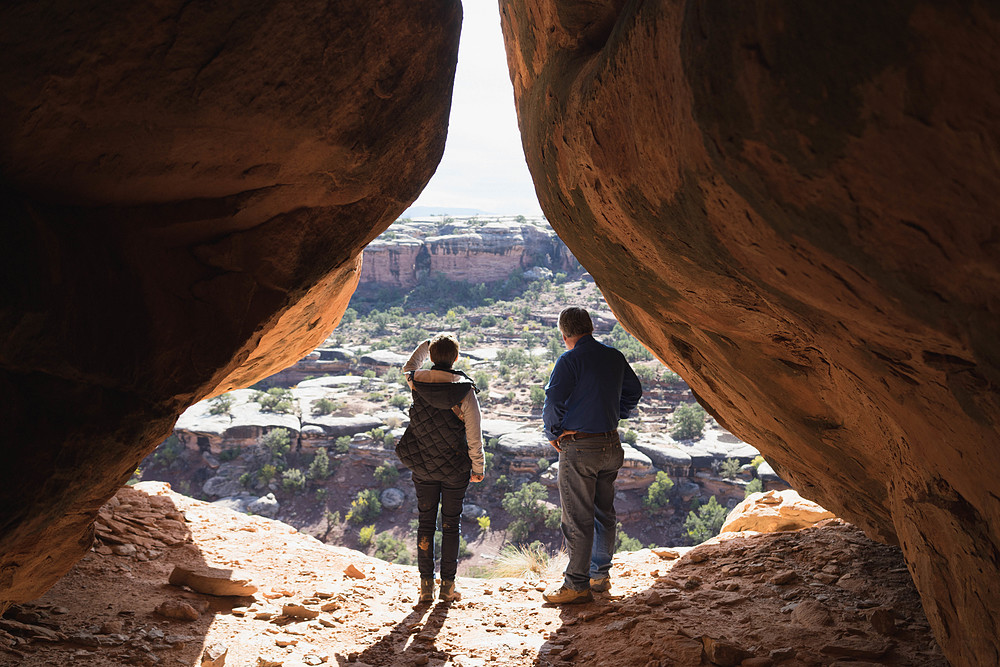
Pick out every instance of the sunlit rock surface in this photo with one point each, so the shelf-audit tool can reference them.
(186, 191)
(796, 207)
(476, 251)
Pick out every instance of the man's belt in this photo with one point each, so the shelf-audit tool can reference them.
(584, 436)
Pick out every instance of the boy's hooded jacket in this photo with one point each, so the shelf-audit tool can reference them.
(434, 445)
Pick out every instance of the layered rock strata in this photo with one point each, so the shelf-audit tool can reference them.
(796, 207)
(476, 253)
(186, 192)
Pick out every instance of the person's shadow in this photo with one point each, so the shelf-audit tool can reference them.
(412, 637)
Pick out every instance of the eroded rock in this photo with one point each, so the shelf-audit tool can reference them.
(807, 239)
(186, 192)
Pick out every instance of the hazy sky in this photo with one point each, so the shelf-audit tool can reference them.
(483, 165)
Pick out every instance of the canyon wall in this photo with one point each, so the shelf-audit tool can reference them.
(463, 252)
(796, 207)
(186, 191)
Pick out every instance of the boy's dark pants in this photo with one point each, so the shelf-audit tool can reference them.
(429, 496)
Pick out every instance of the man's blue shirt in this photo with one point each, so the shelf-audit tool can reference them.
(591, 387)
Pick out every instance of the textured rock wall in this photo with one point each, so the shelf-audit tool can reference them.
(488, 255)
(796, 207)
(185, 191)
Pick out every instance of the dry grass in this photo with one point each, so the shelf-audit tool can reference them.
(531, 561)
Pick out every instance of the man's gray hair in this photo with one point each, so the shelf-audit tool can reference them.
(575, 321)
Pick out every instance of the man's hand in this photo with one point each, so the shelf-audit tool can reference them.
(555, 443)
(477, 477)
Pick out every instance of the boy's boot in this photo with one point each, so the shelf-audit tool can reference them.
(448, 592)
(427, 590)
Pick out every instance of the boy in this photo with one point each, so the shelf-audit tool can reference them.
(443, 446)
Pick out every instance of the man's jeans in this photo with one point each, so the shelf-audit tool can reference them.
(450, 497)
(587, 472)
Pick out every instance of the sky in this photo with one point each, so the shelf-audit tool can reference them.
(483, 165)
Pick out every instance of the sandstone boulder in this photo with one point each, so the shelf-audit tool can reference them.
(186, 193)
(773, 511)
(795, 208)
(265, 506)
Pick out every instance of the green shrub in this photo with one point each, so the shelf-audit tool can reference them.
(321, 494)
(502, 482)
(221, 405)
(324, 406)
(293, 480)
(267, 472)
(365, 507)
(630, 436)
(658, 493)
(543, 464)
(365, 535)
(536, 395)
(399, 401)
(488, 321)
(169, 451)
(392, 549)
(730, 468)
(625, 543)
(484, 523)
(342, 445)
(319, 469)
(386, 473)
(275, 399)
(525, 505)
(245, 480)
(388, 440)
(689, 422)
(755, 486)
(706, 521)
(482, 380)
(229, 454)
(277, 441)
(757, 460)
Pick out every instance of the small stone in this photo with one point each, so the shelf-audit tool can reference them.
(313, 659)
(214, 656)
(723, 653)
(298, 611)
(858, 650)
(354, 572)
(783, 578)
(811, 613)
(667, 554)
(697, 556)
(883, 621)
(330, 606)
(123, 549)
(825, 578)
(177, 610)
(284, 641)
(421, 659)
(212, 581)
(111, 627)
(59, 610)
(265, 662)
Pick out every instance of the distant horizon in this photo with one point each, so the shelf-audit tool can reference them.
(424, 211)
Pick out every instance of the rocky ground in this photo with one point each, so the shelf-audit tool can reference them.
(824, 595)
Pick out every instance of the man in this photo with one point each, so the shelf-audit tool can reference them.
(443, 446)
(591, 387)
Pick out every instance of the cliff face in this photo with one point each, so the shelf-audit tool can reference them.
(463, 252)
(186, 191)
(796, 207)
